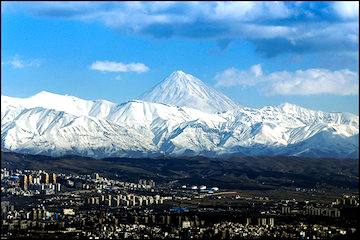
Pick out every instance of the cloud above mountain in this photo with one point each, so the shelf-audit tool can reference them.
(301, 82)
(272, 27)
(109, 66)
(16, 62)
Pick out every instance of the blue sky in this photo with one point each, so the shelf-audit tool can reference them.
(258, 54)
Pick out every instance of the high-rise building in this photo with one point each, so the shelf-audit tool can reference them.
(285, 210)
(58, 187)
(142, 182)
(30, 179)
(96, 176)
(168, 219)
(36, 180)
(151, 199)
(34, 214)
(109, 200)
(270, 222)
(145, 200)
(118, 200)
(24, 182)
(40, 214)
(157, 199)
(151, 183)
(262, 221)
(45, 178)
(140, 201)
(53, 178)
(248, 221)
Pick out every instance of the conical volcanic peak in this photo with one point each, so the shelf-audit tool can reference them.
(184, 90)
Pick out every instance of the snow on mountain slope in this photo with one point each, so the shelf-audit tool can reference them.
(70, 104)
(53, 124)
(184, 90)
(48, 131)
(310, 116)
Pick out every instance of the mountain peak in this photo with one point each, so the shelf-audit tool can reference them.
(184, 90)
(289, 107)
(180, 77)
(58, 102)
(178, 73)
(44, 93)
(49, 96)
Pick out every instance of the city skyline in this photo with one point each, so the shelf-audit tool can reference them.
(302, 53)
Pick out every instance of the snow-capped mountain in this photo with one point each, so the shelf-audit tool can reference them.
(53, 124)
(184, 90)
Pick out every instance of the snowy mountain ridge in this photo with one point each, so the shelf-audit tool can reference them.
(53, 124)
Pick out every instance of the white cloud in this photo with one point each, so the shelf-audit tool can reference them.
(256, 70)
(17, 63)
(347, 9)
(108, 66)
(252, 31)
(314, 81)
(234, 77)
(273, 27)
(249, 11)
(301, 82)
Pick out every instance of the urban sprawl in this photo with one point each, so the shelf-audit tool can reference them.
(46, 204)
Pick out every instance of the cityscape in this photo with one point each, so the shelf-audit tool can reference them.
(41, 204)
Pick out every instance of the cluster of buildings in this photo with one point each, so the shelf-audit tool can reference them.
(346, 200)
(125, 200)
(231, 230)
(30, 182)
(94, 206)
(292, 207)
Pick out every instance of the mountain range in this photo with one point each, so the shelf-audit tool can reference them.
(180, 116)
